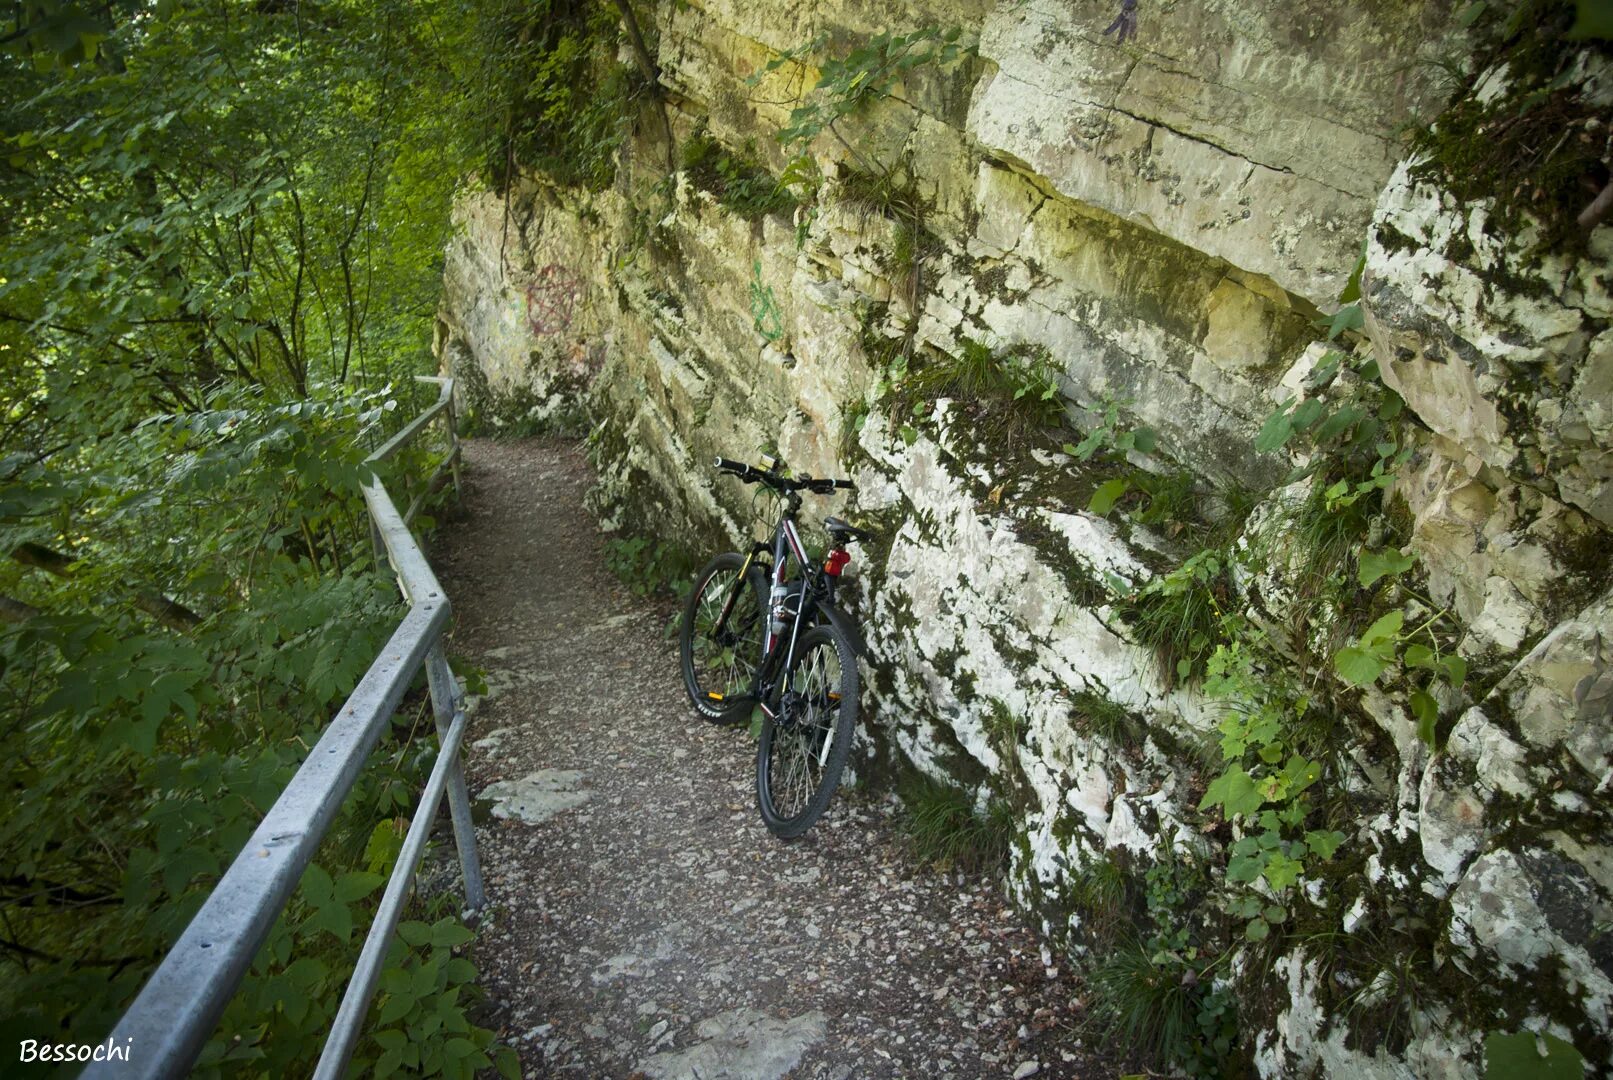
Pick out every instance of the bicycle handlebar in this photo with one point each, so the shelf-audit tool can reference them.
(750, 474)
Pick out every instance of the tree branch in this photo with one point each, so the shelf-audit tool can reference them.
(170, 613)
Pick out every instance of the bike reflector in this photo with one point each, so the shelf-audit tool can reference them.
(838, 559)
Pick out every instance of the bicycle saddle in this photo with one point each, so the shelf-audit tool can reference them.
(843, 531)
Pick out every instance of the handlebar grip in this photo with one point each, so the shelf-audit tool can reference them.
(847, 484)
(725, 464)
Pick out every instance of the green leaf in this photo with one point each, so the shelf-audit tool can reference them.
(1108, 493)
(391, 1039)
(1455, 669)
(1356, 666)
(1277, 430)
(1307, 414)
(1244, 868)
(415, 933)
(1384, 628)
(1418, 656)
(1324, 843)
(447, 933)
(1145, 439)
(1246, 906)
(382, 848)
(1088, 445)
(1348, 318)
(1281, 871)
(1379, 564)
(356, 886)
(1275, 914)
(396, 1007)
(1426, 710)
(1234, 791)
(1526, 1056)
(1594, 19)
(1257, 930)
(335, 918)
(1338, 423)
(317, 886)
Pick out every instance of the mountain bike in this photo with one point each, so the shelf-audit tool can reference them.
(755, 635)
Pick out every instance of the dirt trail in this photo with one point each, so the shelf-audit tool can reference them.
(643, 920)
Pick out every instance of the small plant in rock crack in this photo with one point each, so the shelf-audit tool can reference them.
(1263, 788)
(1387, 645)
(1012, 394)
(1179, 615)
(1109, 437)
(868, 72)
(735, 178)
(1357, 433)
(1157, 992)
(1107, 433)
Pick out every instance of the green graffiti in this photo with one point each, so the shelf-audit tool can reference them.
(764, 309)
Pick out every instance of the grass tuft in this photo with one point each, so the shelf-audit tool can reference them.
(1143, 1000)
(1097, 715)
(1012, 394)
(1178, 616)
(944, 830)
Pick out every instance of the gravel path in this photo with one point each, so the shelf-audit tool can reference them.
(643, 921)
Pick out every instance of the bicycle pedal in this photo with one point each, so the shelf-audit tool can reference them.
(713, 695)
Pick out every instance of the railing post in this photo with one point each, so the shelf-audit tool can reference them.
(444, 703)
(453, 446)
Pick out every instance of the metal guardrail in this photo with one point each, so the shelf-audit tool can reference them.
(180, 1005)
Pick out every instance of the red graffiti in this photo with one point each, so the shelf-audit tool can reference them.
(551, 298)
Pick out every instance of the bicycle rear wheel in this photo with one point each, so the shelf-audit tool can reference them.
(719, 665)
(804, 749)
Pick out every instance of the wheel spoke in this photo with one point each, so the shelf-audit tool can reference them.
(724, 668)
(798, 756)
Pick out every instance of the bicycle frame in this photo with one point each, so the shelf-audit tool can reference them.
(817, 590)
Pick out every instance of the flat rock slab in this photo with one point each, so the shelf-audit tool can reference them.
(740, 1044)
(538, 796)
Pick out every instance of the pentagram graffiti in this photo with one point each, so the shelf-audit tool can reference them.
(551, 298)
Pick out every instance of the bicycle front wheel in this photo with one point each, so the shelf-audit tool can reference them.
(804, 749)
(718, 655)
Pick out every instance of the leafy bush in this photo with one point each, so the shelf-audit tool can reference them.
(547, 92)
(211, 602)
(648, 567)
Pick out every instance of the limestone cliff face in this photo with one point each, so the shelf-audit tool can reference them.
(1166, 221)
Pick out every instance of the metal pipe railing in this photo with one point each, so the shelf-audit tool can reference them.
(180, 1005)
